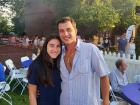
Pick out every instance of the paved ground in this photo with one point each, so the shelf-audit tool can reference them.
(14, 53)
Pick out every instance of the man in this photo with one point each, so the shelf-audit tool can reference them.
(122, 43)
(118, 77)
(82, 66)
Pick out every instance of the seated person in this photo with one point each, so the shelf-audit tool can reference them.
(118, 77)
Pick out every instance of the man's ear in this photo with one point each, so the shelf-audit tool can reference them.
(76, 30)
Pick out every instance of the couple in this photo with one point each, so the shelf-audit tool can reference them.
(82, 69)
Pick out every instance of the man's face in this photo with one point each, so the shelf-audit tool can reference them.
(67, 32)
(123, 36)
(123, 66)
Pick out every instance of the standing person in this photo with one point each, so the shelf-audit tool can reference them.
(42, 41)
(122, 44)
(131, 47)
(36, 41)
(27, 41)
(82, 67)
(44, 75)
(106, 43)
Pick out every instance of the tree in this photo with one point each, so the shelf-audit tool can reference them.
(4, 27)
(137, 39)
(126, 10)
(17, 8)
(98, 14)
(19, 19)
(63, 7)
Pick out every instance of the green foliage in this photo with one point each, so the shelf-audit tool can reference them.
(137, 40)
(97, 15)
(17, 99)
(3, 2)
(17, 7)
(4, 27)
(105, 15)
(100, 15)
(126, 10)
(138, 2)
(19, 19)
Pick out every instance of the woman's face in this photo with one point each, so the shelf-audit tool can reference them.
(53, 48)
(132, 40)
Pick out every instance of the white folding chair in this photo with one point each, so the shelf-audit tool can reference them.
(25, 58)
(25, 82)
(3, 95)
(15, 73)
(26, 66)
(3, 86)
(26, 61)
(115, 99)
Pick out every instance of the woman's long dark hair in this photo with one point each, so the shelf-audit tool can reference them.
(45, 72)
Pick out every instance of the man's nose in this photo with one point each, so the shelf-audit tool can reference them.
(66, 33)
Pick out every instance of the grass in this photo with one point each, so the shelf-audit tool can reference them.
(17, 99)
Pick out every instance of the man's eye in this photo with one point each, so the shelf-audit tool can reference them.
(61, 31)
(69, 30)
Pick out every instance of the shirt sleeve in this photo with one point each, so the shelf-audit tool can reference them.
(98, 63)
(33, 77)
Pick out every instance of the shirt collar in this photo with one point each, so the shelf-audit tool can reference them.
(120, 73)
(77, 46)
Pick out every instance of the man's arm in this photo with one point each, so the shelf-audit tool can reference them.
(105, 87)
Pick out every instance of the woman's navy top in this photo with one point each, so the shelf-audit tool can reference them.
(51, 94)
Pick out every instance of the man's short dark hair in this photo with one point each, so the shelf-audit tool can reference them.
(66, 19)
(119, 62)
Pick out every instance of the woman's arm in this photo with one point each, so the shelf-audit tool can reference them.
(32, 94)
(127, 48)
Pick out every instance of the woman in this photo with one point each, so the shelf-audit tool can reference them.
(131, 48)
(44, 75)
(106, 43)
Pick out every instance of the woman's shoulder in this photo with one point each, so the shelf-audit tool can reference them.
(36, 64)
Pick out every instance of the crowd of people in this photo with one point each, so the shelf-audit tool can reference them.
(126, 47)
(123, 46)
(36, 41)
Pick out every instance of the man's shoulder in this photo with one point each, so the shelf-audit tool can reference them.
(113, 71)
(119, 40)
(88, 45)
